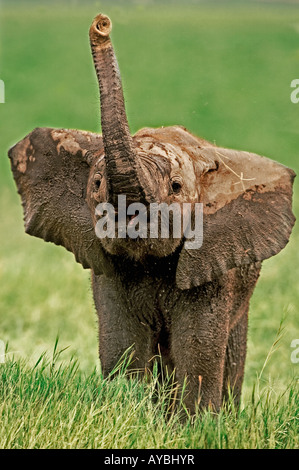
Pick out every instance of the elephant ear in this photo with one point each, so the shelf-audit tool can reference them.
(247, 214)
(51, 169)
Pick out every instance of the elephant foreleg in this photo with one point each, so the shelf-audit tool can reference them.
(199, 333)
(245, 279)
(120, 328)
(235, 361)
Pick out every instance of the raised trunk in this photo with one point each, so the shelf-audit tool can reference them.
(123, 170)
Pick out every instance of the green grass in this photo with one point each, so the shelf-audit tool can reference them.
(223, 71)
(51, 406)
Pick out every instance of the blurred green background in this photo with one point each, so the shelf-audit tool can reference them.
(222, 69)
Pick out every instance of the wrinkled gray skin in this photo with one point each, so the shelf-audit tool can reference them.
(157, 295)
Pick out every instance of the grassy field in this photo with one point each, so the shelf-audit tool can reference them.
(224, 72)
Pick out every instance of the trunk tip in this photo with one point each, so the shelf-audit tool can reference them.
(101, 27)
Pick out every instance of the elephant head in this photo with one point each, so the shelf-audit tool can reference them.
(62, 175)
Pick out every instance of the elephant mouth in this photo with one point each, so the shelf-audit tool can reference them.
(132, 226)
(139, 248)
(156, 229)
(136, 227)
(131, 220)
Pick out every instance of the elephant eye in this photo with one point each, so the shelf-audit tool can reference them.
(176, 187)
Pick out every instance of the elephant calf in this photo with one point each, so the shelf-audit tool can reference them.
(158, 294)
